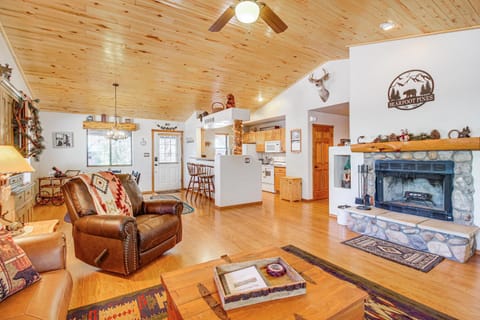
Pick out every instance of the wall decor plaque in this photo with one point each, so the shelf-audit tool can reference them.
(410, 90)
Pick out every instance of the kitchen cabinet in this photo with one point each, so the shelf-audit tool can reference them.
(259, 138)
(249, 137)
(260, 141)
(291, 188)
(280, 172)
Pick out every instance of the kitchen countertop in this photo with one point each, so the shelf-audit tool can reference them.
(202, 159)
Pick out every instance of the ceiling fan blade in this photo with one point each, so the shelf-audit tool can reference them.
(272, 19)
(222, 20)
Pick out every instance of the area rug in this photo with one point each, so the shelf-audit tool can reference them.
(423, 261)
(145, 304)
(186, 207)
(382, 303)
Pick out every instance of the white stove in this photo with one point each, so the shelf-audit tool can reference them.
(268, 178)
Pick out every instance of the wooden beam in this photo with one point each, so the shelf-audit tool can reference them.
(419, 145)
(109, 125)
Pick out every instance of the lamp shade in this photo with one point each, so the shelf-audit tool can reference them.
(11, 161)
(247, 11)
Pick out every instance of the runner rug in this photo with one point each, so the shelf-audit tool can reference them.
(149, 304)
(423, 261)
(186, 207)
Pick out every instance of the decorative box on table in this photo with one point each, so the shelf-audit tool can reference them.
(245, 283)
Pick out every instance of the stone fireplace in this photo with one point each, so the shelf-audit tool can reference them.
(456, 165)
(423, 200)
(422, 188)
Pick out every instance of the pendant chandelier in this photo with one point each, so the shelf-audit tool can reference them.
(115, 133)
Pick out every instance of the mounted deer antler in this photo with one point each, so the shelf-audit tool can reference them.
(319, 83)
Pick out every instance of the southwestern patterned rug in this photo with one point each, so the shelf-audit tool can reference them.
(186, 207)
(423, 261)
(149, 304)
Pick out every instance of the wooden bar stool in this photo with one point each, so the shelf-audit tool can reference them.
(207, 181)
(194, 182)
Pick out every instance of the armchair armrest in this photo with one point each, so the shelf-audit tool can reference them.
(108, 226)
(46, 251)
(163, 207)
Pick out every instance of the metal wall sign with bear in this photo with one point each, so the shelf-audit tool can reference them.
(410, 90)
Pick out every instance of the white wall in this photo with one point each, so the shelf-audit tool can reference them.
(76, 157)
(452, 59)
(295, 104)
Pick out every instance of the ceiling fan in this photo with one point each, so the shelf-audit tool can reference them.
(248, 11)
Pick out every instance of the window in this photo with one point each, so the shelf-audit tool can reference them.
(102, 151)
(221, 144)
(168, 149)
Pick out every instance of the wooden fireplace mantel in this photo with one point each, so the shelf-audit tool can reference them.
(419, 145)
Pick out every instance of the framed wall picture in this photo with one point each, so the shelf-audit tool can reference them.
(63, 139)
(296, 140)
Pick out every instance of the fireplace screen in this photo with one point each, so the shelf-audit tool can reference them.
(422, 188)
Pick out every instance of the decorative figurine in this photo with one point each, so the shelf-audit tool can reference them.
(230, 101)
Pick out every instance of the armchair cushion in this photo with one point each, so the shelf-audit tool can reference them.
(16, 269)
(153, 230)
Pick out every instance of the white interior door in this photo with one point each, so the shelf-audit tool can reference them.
(167, 161)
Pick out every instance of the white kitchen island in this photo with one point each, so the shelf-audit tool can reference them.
(238, 180)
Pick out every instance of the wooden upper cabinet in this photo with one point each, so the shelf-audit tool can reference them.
(259, 138)
(249, 137)
(260, 141)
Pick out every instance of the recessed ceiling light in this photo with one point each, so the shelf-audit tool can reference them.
(388, 25)
(260, 98)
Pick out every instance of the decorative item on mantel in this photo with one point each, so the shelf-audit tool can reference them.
(406, 136)
(464, 133)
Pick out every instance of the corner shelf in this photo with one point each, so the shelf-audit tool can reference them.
(419, 145)
(109, 125)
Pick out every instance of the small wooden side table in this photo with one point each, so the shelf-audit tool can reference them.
(291, 188)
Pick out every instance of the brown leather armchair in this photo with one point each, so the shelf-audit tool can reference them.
(118, 243)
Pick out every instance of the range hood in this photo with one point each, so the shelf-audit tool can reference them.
(225, 118)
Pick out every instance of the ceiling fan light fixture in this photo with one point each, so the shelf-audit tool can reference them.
(247, 11)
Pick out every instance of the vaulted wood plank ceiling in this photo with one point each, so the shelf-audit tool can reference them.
(167, 62)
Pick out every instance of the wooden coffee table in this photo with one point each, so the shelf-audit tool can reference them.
(327, 297)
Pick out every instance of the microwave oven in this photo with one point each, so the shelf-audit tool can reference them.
(273, 146)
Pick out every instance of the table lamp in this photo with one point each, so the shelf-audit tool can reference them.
(11, 162)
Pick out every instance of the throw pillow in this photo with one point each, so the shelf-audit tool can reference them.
(16, 269)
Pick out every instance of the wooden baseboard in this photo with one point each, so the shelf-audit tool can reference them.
(238, 205)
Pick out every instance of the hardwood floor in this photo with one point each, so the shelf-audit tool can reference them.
(451, 287)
